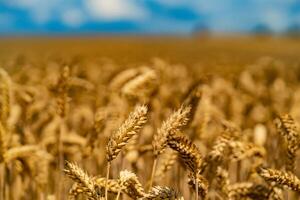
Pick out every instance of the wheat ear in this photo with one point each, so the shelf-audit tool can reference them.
(83, 179)
(5, 91)
(167, 163)
(189, 154)
(223, 181)
(112, 185)
(281, 178)
(127, 130)
(142, 86)
(289, 130)
(248, 190)
(129, 182)
(161, 193)
(176, 121)
(187, 151)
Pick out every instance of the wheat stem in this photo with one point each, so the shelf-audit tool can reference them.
(196, 187)
(118, 195)
(107, 177)
(153, 172)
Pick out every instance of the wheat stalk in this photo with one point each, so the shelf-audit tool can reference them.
(3, 143)
(62, 101)
(199, 183)
(176, 121)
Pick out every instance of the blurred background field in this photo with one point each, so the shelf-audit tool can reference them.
(217, 80)
(208, 52)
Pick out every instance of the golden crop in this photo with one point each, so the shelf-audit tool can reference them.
(83, 127)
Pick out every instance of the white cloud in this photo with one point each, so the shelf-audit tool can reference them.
(115, 9)
(277, 19)
(72, 17)
(220, 15)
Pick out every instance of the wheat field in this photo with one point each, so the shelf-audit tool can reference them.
(150, 118)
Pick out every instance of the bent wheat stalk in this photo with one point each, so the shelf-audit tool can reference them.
(189, 154)
(176, 121)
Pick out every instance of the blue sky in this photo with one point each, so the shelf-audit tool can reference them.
(146, 16)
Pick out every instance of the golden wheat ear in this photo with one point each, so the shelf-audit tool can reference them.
(223, 182)
(187, 151)
(63, 87)
(120, 79)
(167, 162)
(5, 96)
(129, 182)
(133, 124)
(161, 193)
(248, 190)
(288, 128)
(280, 178)
(5, 109)
(142, 86)
(87, 184)
(127, 130)
(176, 121)
(192, 159)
